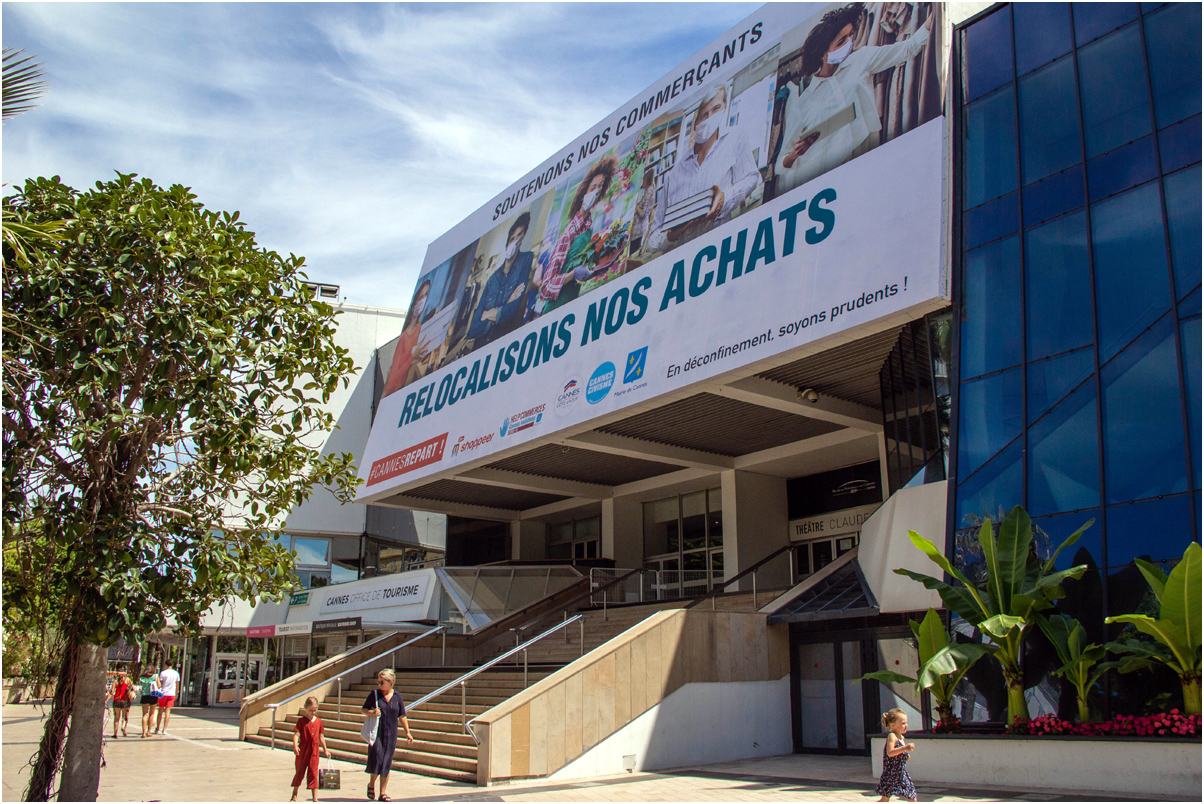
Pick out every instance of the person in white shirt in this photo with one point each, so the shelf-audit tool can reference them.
(169, 679)
(720, 161)
(840, 77)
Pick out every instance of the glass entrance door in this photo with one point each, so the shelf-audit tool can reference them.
(830, 716)
(234, 678)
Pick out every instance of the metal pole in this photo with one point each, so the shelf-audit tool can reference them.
(605, 613)
(790, 554)
(524, 668)
(340, 696)
(566, 631)
(274, 708)
(581, 623)
(463, 705)
(754, 589)
(444, 657)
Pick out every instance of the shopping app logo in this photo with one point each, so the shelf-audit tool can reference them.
(600, 383)
(635, 365)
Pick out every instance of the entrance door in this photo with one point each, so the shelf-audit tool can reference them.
(231, 680)
(831, 709)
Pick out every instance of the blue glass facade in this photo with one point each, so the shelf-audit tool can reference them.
(1078, 289)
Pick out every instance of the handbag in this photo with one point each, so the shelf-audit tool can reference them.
(132, 695)
(368, 730)
(328, 777)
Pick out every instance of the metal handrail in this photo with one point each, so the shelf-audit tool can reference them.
(462, 680)
(589, 592)
(718, 590)
(275, 706)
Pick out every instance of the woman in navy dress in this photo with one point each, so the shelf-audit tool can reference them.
(387, 705)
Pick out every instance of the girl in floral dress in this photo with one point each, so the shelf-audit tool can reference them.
(894, 780)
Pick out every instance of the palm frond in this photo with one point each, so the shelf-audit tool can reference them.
(23, 84)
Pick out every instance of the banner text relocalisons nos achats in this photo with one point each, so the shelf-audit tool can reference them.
(709, 268)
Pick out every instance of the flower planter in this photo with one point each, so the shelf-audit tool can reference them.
(1138, 766)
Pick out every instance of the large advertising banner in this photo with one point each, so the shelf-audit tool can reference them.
(781, 186)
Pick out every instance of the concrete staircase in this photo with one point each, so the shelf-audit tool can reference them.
(441, 747)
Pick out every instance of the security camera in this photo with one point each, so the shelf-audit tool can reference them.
(809, 395)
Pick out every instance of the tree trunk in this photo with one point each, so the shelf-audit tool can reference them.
(82, 756)
(50, 749)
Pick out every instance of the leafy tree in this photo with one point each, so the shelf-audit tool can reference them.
(163, 389)
(23, 83)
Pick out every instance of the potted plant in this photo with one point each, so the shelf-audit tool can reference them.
(1082, 664)
(942, 665)
(1176, 631)
(1018, 586)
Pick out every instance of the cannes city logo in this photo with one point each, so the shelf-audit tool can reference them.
(568, 396)
(600, 383)
(635, 365)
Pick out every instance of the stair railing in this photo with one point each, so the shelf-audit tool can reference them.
(276, 706)
(719, 588)
(463, 680)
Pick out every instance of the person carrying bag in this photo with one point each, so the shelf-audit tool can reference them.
(371, 722)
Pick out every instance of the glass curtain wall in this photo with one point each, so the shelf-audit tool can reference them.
(1078, 349)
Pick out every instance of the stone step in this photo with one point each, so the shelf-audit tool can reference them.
(450, 733)
(424, 764)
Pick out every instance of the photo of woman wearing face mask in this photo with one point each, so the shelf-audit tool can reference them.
(831, 114)
(561, 281)
(408, 348)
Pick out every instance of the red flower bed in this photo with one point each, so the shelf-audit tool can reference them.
(1171, 724)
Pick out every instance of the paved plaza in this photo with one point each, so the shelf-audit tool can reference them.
(202, 760)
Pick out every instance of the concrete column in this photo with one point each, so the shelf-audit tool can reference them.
(623, 532)
(528, 540)
(755, 523)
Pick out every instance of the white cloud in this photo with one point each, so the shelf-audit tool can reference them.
(351, 134)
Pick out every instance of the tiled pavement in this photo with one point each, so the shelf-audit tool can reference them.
(202, 760)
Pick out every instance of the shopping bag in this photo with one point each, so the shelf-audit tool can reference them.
(328, 777)
(368, 730)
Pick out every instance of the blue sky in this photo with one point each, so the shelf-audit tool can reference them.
(350, 134)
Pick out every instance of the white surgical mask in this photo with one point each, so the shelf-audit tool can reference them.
(590, 199)
(703, 129)
(511, 250)
(841, 53)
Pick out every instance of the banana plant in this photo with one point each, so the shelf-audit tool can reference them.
(1177, 629)
(1082, 664)
(942, 665)
(1018, 585)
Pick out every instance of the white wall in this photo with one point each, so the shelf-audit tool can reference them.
(1141, 769)
(884, 546)
(699, 723)
(361, 330)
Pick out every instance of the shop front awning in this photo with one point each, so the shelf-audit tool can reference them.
(838, 591)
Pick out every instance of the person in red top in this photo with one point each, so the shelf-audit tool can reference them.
(120, 695)
(308, 734)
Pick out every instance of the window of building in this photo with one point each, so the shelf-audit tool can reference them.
(683, 542)
(576, 539)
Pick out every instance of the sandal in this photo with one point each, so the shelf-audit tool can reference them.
(383, 797)
(371, 793)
